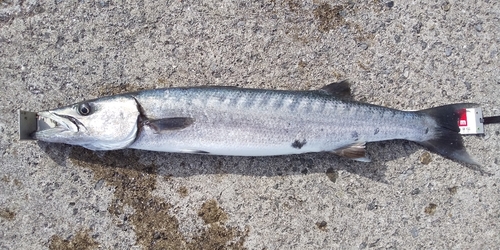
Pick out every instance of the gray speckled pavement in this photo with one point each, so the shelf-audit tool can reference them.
(397, 54)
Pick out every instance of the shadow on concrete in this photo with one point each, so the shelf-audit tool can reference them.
(182, 165)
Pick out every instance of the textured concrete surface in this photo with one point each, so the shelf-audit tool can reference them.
(401, 54)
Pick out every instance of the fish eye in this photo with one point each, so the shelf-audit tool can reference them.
(84, 109)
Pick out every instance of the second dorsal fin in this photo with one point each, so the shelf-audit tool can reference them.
(340, 89)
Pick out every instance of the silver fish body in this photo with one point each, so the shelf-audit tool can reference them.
(256, 122)
(251, 122)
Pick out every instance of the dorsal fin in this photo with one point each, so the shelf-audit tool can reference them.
(339, 89)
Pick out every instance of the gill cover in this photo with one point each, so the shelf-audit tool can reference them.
(102, 124)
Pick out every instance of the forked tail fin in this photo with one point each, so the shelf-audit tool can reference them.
(448, 141)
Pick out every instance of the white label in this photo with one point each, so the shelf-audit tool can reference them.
(470, 122)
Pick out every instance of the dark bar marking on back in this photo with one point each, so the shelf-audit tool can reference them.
(299, 144)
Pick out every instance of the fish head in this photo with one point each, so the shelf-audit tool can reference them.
(102, 124)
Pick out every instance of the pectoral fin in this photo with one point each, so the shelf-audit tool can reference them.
(169, 124)
(355, 151)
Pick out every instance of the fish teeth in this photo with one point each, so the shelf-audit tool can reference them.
(46, 123)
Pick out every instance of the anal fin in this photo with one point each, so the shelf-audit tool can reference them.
(355, 151)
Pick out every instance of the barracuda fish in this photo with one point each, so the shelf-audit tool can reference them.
(250, 122)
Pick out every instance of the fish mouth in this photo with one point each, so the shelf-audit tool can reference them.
(50, 124)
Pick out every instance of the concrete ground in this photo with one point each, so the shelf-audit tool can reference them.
(403, 55)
